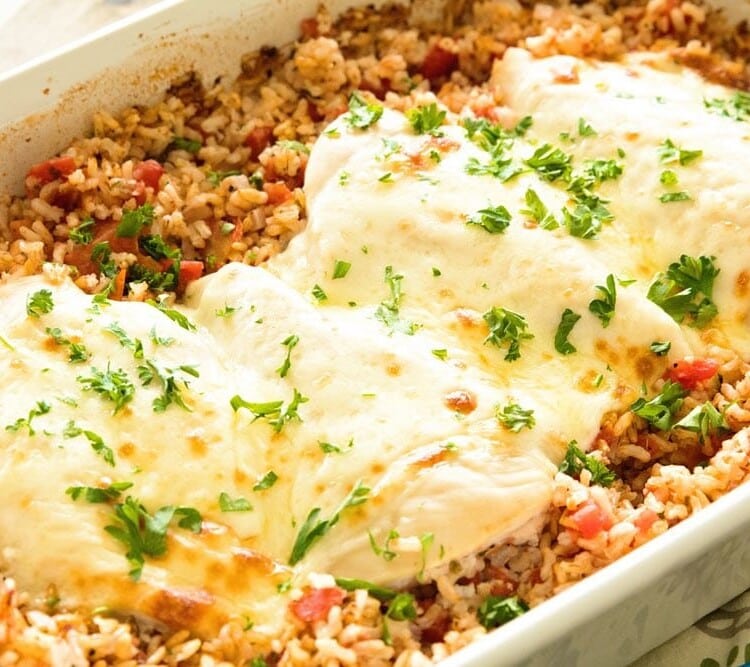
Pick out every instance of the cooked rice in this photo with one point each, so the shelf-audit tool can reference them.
(289, 95)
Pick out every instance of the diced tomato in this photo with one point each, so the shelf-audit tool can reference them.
(438, 63)
(258, 139)
(190, 270)
(309, 28)
(645, 520)
(80, 255)
(149, 172)
(51, 170)
(689, 372)
(277, 193)
(315, 604)
(139, 193)
(590, 520)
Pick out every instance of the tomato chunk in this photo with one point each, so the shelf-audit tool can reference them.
(315, 604)
(277, 193)
(258, 139)
(438, 63)
(689, 372)
(51, 170)
(590, 520)
(149, 172)
(309, 28)
(190, 270)
(645, 520)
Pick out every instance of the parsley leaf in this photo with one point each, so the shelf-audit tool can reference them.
(83, 234)
(133, 221)
(374, 590)
(157, 248)
(581, 222)
(39, 303)
(290, 342)
(385, 552)
(388, 310)
(271, 411)
(604, 308)
(175, 315)
(736, 107)
(136, 346)
(340, 269)
(669, 153)
(318, 293)
(362, 114)
(704, 420)
(576, 460)
(184, 144)
(660, 410)
(669, 178)
(96, 494)
(567, 322)
(77, 352)
(216, 177)
(672, 197)
(514, 418)
(493, 220)
(686, 290)
(229, 504)
(584, 129)
(506, 328)
(95, 440)
(603, 170)
(40, 409)
(266, 482)
(497, 610)
(144, 534)
(660, 349)
(426, 119)
(550, 163)
(538, 212)
(315, 528)
(114, 386)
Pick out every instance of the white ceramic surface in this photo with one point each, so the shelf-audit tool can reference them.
(610, 618)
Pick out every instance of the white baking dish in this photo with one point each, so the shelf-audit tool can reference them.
(609, 619)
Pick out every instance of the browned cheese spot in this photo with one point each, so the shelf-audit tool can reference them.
(461, 401)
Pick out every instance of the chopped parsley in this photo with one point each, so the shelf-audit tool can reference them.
(340, 269)
(523, 126)
(216, 177)
(98, 494)
(113, 386)
(441, 354)
(77, 352)
(290, 342)
(156, 339)
(133, 221)
(172, 386)
(157, 248)
(385, 551)
(328, 448)
(603, 170)
(604, 308)
(378, 592)
(661, 409)
(436, 273)
(669, 178)
(296, 146)
(514, 418)
(581, 222)
(550, 163)
(40, 409)
(229, 504)
(660, 349)
(497, 610)
(672, 197)
(144, 534)
(83, 233)
(685, 290)
(362, 114)
(576, 460)
(704, 420)
(95, 440)
(493, 220)
(226, 312)
(184, 144)
(538, 212)
(567, 321)
(318, 293)
(314, 528)
(669, 153)
(426, 119)
(584, 129)
(175, 315)
(736, 107)
(388, 310)
(135, 345)
(39, 303)
(272, 411)
(266, 482)
(506, 328)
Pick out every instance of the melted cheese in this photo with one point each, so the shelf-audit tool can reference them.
(428, 466)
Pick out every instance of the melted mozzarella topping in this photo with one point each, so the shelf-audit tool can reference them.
(401, 385)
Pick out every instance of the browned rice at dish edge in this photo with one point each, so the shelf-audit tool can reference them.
(289, 96)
